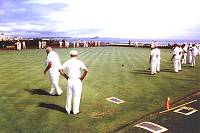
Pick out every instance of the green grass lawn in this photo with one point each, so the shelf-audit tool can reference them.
(25, 107)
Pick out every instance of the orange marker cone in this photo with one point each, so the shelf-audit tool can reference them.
(167, 103)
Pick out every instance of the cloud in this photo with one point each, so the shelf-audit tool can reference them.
(106, 18)
(46, 2)
(19, 15)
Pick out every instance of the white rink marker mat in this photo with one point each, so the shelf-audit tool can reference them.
(115, 100)
(185, 110)
(152, 127)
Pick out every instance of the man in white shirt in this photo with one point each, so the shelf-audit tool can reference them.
(185, 48)
(74, 43)
(66, 44)
(24, 45)
(52, 66)
(136, 44)
(180, 56)
(60, 43)
(153, 60)
(198, 47)
(158, 59)
(18, 45)
(176, 58)
(84, 43)
(190, 53)
(74, 71)
(194, 53)
(40, 45)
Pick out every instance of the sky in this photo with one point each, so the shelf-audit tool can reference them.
(139, 19)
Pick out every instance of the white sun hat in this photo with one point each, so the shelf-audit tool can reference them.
(73, 52)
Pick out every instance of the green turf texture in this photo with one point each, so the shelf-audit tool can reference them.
(113, 72)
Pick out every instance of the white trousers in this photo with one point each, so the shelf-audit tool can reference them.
(184, 59)
(153, 67)
(193, 61)
(158, 65)
(176, 63)
(190, 57)
(179, 64)
(54, 79)
(74, 90)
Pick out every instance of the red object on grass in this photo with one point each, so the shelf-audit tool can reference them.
(167, 103)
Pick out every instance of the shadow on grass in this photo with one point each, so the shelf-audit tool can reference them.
(186, 66)
(145, 72)
(52, 106)
(191, 80)
(38, 92)
(166, 70)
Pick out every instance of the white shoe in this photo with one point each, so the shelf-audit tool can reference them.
(60, 93)
(52, 92)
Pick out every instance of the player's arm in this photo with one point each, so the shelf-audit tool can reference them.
(48, 67)
(84, 73)
(150, 57)
(173, 56)
(63, 73)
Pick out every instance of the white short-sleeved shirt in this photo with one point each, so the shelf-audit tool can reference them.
(185, 50)
(158, 52)
(73, 68)
(180, 51)
(194, 51)
(54, 58)
(176, 52)
(154, 55)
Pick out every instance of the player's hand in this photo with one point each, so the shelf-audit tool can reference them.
(66, 76)
(81, 78)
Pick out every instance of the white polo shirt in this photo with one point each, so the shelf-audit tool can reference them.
(73, 68)
(194, 51)
(54, 58)
(185, 50)
(176, 52)
(154, 55)
(158, 52)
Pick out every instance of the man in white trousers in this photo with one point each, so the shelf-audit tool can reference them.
(52, 66)
(194, 53)
(180, 56)
(158, 59)
(60, 43)
(198, 47)
(176, 58)
(24, 45)
(153, 60)
(74, 71)
(185, 48)
(190, 53)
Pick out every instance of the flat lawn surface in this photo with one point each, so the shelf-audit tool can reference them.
(25, 105)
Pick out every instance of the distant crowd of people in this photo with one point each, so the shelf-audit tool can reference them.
(67, 44)
(180, 53)
(42, 44)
